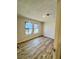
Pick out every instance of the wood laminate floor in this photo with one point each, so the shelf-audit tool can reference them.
(39, 48)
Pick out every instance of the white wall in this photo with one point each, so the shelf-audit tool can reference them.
(49, 29)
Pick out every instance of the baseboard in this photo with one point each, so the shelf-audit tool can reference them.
(48, 37)
(34, 38)
(29, 39)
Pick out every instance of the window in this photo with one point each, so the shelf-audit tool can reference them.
(29, 28)
(36, 28)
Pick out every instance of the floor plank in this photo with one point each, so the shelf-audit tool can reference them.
(39, 48)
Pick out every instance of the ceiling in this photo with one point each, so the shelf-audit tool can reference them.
(37, 9)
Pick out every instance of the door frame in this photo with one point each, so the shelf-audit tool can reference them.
(57, 41)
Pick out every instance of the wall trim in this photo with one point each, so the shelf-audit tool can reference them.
(29, 39)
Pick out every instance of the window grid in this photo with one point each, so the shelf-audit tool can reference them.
(31, 28)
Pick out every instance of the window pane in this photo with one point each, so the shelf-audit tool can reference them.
(36, 28)
(30, 31)
(35, 25)
(28, 28)
(28, 25)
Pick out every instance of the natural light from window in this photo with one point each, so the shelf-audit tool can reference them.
(31, 28)
(36, 28)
